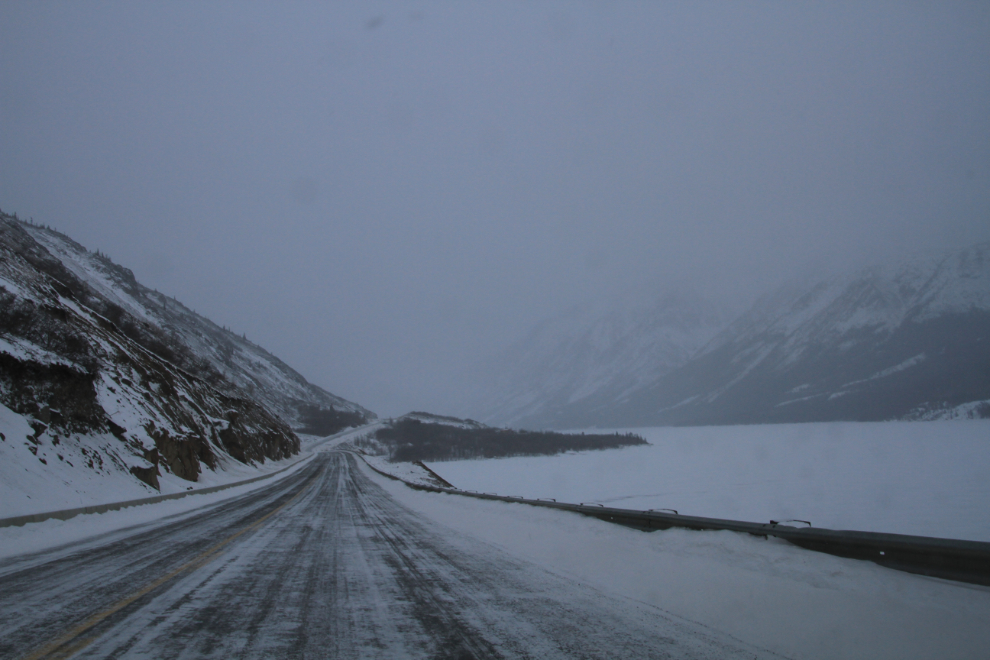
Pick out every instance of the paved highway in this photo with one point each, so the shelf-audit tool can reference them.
(321, 564)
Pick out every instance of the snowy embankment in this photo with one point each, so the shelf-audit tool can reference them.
(16, 540)
(921, 478)
(63, 475)
(53, 533)
(413, 473)
(765, 592)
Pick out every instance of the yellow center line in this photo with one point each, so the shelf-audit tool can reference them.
(54, 648)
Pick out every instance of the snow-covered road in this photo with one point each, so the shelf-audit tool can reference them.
(323, 563)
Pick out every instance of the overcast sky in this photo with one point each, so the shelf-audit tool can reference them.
(381, 194)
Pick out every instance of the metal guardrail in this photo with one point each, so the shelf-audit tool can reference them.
(963, 561)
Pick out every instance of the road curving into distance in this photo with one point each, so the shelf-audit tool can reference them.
(323, 563)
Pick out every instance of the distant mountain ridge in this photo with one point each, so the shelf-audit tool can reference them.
(908, 340)
(581, 359)
(114, 377)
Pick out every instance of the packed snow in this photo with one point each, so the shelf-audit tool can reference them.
(920, 478)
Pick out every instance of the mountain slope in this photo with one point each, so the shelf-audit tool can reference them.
(221, 357)
(110, 383)
(909, 340)
(580, 360)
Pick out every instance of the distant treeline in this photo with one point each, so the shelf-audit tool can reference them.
(413, 440)
(326, 421)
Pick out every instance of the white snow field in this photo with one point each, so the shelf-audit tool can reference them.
(798, 603)
(922, 478)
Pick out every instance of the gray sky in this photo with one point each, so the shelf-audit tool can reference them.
(382, 193)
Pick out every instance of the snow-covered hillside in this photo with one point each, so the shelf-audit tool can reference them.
(243, 365)
(97, 383)
(908, 340)
(584, 358)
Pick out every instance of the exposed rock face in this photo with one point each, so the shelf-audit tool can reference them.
(188, 340)
(78, 363)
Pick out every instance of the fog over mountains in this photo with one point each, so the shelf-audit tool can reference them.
(600, 356)
(91, 358)
(904, 340)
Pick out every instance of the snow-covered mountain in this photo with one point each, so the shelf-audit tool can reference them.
(224, 358)
(119, 378)
(595, 359)
(909, 340)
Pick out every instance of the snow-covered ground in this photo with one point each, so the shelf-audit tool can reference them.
(922, 478)
(16, 540)
(53, 533)
(409, 472)
(41, 489)
(768, 593)
(43, 476)
(59, 477)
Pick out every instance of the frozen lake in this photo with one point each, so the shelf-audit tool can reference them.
(924, 478)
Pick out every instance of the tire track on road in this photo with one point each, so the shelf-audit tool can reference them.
(334, 566)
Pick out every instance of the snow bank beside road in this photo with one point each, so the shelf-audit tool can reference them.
(39, 474)
(768, 593)
(53, 533)
(414, 473)
(57, 476)
(35, 537)
(920, 478)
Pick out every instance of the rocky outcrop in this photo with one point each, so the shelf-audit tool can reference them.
(163, 325)
(79, 365)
